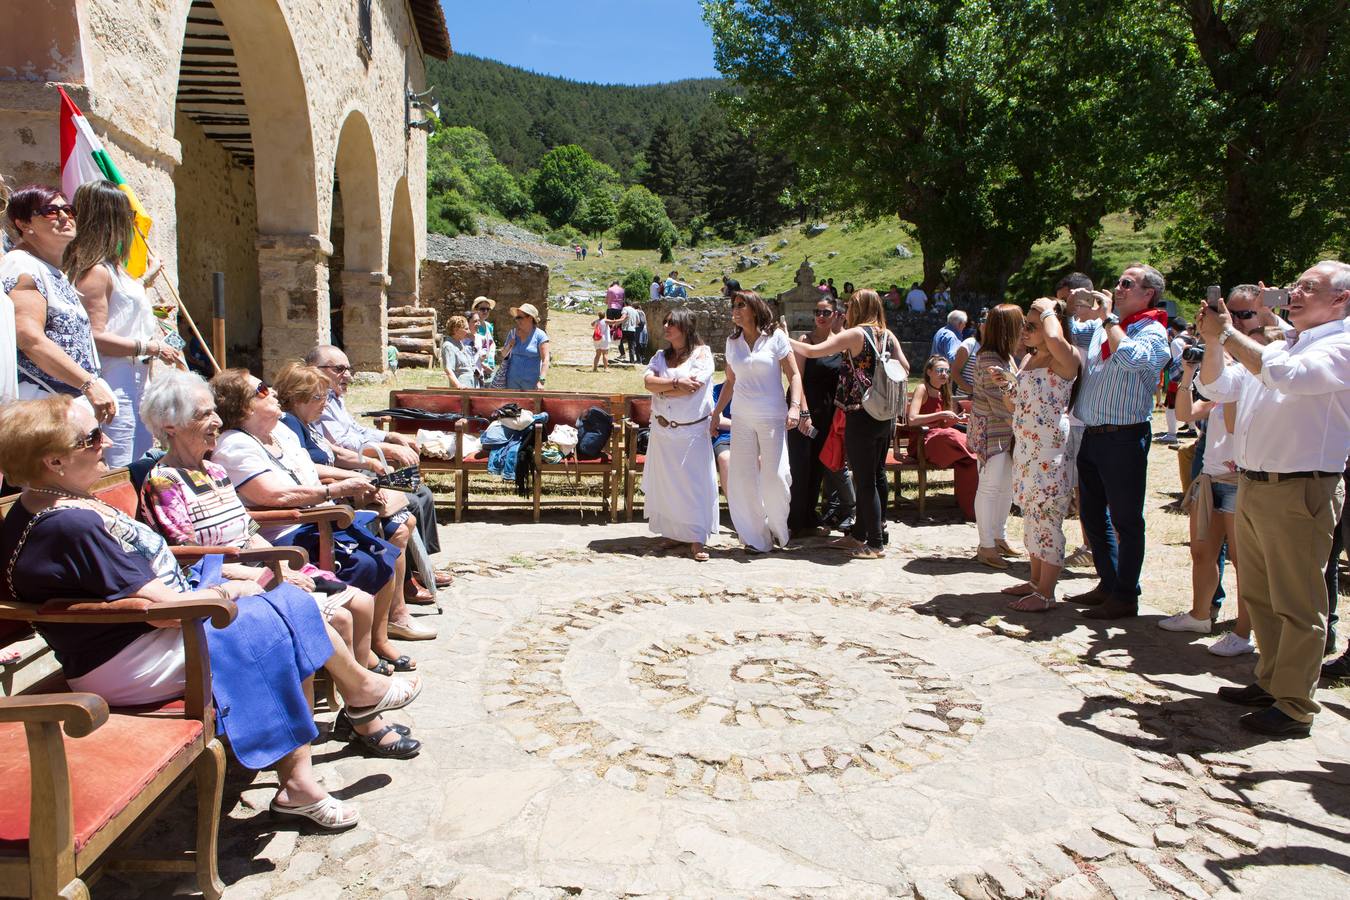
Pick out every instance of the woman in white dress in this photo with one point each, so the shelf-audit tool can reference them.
(679, 479)
(758, 358)
(126, 331)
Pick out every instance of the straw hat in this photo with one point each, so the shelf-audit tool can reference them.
(526, 308)
(478, 301)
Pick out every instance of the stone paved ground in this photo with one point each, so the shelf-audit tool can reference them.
(601, 720)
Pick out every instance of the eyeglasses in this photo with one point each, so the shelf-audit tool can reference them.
(739, 304)
(52, 210)
(93, 439)
(824, 314)
(263, 389)
(1125, 283)
(1243, 314)
(341, 370)
(942, 371)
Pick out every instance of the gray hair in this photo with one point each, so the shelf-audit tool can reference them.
(320, 352)
(956, 318)
(1153, 279)
(171, 400)
(1250, 291)
(1339, 272)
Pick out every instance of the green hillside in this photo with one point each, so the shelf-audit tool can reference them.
(525, 115)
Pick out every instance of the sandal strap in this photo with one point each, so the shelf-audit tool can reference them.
(328, 812)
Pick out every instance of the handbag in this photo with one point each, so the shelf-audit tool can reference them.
(832, 452)
(499, 375)
(885, 396)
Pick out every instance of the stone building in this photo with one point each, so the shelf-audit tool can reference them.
(269, 140)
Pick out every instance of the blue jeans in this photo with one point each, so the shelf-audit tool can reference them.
(1113, 477)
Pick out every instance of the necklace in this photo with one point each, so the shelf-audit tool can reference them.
(60, 492)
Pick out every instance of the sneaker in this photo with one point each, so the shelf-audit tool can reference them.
(1232, 644)
(1167, 439)
(1187, 431)
(1185, 622)
(1079, 559)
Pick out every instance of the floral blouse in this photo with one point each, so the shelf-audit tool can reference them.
(195, 506)
(67, 322)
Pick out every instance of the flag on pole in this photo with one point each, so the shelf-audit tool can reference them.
(83, 159)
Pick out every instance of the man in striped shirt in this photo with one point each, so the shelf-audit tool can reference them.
(1124, 342)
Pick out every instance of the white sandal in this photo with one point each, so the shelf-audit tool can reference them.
(329, 814)
(401, 692)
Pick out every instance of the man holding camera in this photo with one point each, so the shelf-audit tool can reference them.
(1123, 337)
(1290, 443)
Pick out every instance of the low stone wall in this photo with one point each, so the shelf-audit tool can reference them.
(450, 286)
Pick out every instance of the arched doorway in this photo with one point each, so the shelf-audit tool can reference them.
(245, 192)
(403, 282)
(357, 280)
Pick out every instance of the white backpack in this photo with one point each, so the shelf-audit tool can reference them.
(886, 397)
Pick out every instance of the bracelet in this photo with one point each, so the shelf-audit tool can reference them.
(327, 493)
(138, 348)
(84, 388)
(1046, 313)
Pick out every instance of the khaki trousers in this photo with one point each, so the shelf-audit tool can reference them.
(1283, 537)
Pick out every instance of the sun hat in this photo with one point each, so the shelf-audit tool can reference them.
(526, 308)
(478, 301)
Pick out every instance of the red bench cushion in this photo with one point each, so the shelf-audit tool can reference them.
(108, 769)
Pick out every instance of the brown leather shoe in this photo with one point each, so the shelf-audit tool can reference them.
(1094, 597)
(1113, 609)
(444, 578)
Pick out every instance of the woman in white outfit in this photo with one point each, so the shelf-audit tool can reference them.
(679, 479)
(124, 325)
(758, 357)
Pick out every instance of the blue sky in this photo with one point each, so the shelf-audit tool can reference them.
(606, 41)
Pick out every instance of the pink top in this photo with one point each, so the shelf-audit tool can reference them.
(614, 297)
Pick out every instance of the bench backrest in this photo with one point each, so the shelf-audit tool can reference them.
(639, 410)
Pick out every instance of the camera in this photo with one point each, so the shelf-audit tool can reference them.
(1193, 354)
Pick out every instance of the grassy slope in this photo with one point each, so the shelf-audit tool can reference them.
(864, 256)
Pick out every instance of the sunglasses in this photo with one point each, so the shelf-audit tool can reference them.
(739, 304)
(263, 389)
(942, 371)
(93, 439)
(824, 314)
(341, 370)
(1125, 283)
(1028, 325)
(1243, 314)
(52, 210)
(521, 317)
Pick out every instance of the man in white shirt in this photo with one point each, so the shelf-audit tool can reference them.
(1290, 443)
(916, 299)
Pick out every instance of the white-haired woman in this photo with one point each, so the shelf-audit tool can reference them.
(189, 500)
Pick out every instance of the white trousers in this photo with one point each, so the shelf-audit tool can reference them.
(993, 499)
(759, 483)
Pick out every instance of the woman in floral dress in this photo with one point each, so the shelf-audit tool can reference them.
(1040, 395)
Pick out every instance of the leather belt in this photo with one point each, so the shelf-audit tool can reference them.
(1254, 475)
(666, 423)
(1108, 429)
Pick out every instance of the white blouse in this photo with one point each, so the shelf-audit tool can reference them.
(759, 391)
(686, 407)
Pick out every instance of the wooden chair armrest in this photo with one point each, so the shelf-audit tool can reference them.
(190, 553)
(295, 557)
(79, 713)
(117, 612)
(384, 423)
(460, 430)
(339, 514)
(274, 516)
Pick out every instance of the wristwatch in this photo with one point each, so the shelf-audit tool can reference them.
(1111, 319)
(1227, 333)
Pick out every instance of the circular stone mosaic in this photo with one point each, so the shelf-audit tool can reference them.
(700, 694)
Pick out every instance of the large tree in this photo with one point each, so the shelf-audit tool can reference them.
(567, 175)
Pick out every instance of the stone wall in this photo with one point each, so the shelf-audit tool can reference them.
(713, 315)
(450, 286)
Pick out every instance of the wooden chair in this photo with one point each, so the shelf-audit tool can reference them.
(71, 807)
(638, 415)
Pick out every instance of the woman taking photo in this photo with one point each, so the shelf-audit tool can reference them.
(820, 382)
(124, 325)
(758, 358)
(865, 439)
(991, 434)
(679, 479)
(1040, 396)
(944, 445)
(526, 353)
(55, 343)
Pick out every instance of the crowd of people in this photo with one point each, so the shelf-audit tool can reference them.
(1060, 404)
(1041, 408)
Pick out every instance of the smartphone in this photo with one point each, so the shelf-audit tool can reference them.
(1274, 297)
(1213, 294)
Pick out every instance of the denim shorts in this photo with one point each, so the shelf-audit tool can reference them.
(1225, 496)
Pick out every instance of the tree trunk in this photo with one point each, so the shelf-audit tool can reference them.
(1084, 236)
(983, 271)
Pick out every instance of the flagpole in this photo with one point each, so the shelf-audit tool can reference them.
(182, 308)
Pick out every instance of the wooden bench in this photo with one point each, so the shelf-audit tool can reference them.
(638, 415)
(71, 806)
(562, 407)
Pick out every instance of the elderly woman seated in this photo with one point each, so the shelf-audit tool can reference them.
(59, 542)
(190, 500)
(270, 470)
(302, 392)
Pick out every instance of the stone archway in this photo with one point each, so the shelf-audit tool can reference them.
(358, 279)
(403, 286)
(246, 191)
